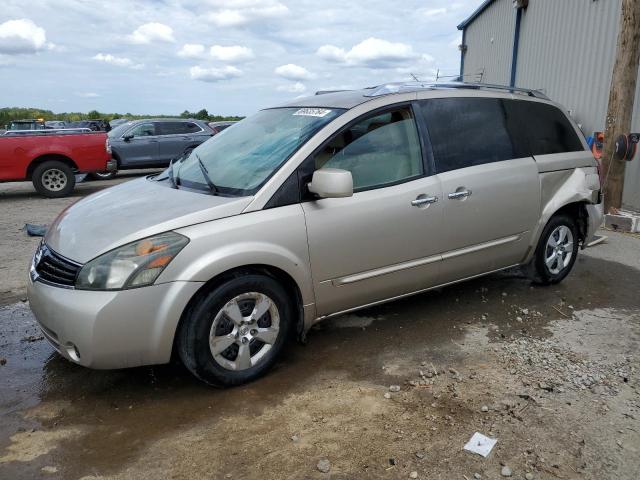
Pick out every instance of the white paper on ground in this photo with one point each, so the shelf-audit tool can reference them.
(480, 444)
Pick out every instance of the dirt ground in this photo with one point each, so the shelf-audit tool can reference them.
(551, 373)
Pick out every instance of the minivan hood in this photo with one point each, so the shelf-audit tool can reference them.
(131, 211)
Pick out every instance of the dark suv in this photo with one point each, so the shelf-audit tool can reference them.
(94, 124)
(154, 143)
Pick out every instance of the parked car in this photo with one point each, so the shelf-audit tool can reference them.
(28, 124)
(55, 124)
(154, 143)
(95, 125)
(325, 205)
(51, 159)
(117, 121)
(217, 127)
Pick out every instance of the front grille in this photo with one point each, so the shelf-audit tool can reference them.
(56, 269)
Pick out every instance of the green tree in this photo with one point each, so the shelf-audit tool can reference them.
(202, 114)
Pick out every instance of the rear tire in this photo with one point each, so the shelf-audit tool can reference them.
(234, 333)
(53, 179)
(556, 251)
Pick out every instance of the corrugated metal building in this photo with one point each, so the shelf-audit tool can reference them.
(565, 48)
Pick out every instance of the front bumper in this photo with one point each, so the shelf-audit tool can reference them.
(106, 330)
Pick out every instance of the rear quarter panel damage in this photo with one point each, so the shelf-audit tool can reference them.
(566, 179)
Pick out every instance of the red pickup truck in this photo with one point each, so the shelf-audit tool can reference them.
(51, 159)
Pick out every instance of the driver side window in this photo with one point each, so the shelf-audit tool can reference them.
(143, 130)
(380, 150)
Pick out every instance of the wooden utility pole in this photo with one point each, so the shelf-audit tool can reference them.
(621, 97)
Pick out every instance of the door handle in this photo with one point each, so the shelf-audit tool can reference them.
(459, 194)
(423, 200)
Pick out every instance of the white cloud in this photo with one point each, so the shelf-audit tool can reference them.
(88, 94)
(292, 88)
(117, 61)
(22, 36)
(332, 53)
(372, 52)
(152, 32)
(231, 54)
(277, 35)
(433, 12)
(214, 74)
(293, 72)
(191, 50)
(234, 13)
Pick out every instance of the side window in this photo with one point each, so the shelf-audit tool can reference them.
(544, 128)
(380, 150)
(467, 131)
(190, 127)
(142, 130)
(176, 128)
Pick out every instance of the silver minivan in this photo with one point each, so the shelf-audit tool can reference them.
(326, 205)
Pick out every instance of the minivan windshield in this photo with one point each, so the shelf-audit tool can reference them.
(239, 160)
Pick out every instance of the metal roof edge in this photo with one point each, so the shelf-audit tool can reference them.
(475, 14)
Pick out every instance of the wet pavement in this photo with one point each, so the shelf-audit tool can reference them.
(58, 420)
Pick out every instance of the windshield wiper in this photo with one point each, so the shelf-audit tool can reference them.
(205, 173)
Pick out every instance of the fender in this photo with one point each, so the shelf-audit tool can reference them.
(243, 254)
(561, 188)
(275, 237)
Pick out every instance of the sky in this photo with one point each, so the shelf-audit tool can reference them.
(231, 57)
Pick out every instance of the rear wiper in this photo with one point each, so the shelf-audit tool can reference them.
(205, 173)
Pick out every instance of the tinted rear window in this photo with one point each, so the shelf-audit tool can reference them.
(176, 128)
(545, 129)
(468, 131)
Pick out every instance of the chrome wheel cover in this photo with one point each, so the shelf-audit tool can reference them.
(54, 179)
(244, 330)
(559, 249)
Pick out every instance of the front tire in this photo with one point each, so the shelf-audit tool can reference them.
(556, 251)
(53, 179)
(234, 333)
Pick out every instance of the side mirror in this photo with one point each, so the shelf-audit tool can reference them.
(127, 137)
(331, 183)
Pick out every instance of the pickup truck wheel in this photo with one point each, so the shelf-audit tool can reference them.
(53, 179)
(557, 250)
(234, 333)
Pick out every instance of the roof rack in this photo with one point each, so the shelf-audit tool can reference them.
(326, 92)
(390, 88)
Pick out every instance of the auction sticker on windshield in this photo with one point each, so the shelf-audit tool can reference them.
(312, 112)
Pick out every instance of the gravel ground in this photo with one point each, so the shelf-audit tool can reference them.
(392, 392)
(19, 204)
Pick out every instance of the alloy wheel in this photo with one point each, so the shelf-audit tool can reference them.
(244, 330)
(559, 249)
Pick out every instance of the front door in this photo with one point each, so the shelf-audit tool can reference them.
(385, 240)
(142, 148)
(491, 190)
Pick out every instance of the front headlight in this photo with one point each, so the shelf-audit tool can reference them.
(136, 264)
